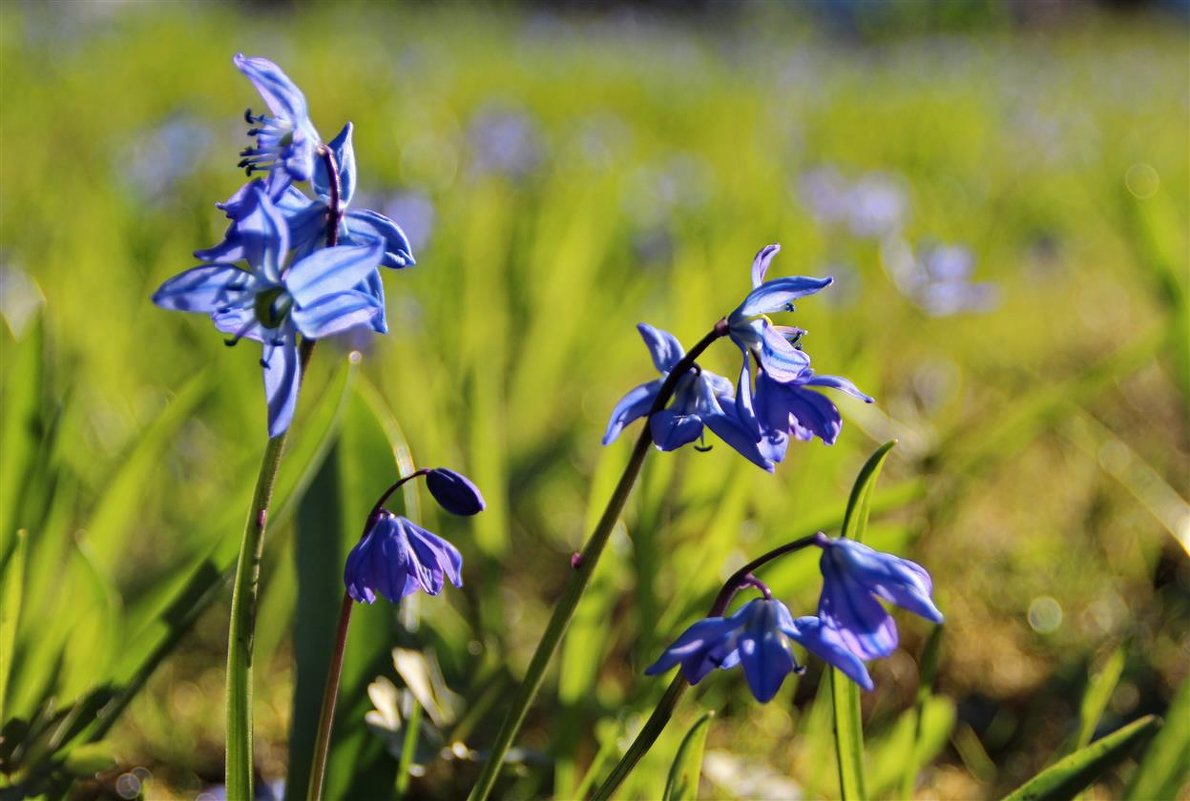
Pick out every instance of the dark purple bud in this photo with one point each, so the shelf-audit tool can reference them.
(454, 492)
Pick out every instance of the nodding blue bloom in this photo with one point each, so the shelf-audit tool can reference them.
(396, 557)
(700, 398)
(307, 222)
(757, 638)
(316, 296)
(853, 577)
(750, 328)
(785, 409)
(286, 139)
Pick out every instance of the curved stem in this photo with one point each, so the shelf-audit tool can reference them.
(243, 615)
(388, 493)
(664, 710)
(329, 696)
(584, 567)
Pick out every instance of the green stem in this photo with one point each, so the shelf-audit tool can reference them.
(584, 567)
(243, 616)
(644, 739)
(326, 718)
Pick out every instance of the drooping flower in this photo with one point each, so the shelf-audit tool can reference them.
(853, 577)
(396, 557)
(316, 296)
(307, 222)
(750, 328)
(785, 409)
(700, 398)
(454, 492)
(285, 139)
(757, 638)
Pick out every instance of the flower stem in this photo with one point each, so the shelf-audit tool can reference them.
(243, 615)
(584, 567)
(330, 695)
(665, 707)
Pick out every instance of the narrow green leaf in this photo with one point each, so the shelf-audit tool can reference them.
(21, 423)
(87, 760)
(10, 613)
(1165, 769)
(849, 733)
(1069, 776)
(1099, 692)
(928, 672)
(682, 784)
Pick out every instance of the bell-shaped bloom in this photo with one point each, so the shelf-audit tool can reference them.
(854, 576)
(751, 329)
(286, 140)
(306, 219)
(396, 558)
(454, 492)
(316, 296)
(792, 409)
(757, 638)
(700, 398)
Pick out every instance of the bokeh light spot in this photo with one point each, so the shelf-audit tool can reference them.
(1045, 615)
(1142, 181)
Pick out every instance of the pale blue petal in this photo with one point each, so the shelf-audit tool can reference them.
(207, 289)
(240, 322)
(344, 152)
(778, 295)
(864, 626)
(825, 643)
(779, 358)
(837, 382)
(330, 271)
(365, 226)
(635, 404)
(335, 314)
(699, 637)
(900, 581)
(432, 549)
(283, 97)
(764, 651)
(282, 377)
(663, 347)
(760, 264)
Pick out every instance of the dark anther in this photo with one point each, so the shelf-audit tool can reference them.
(231, 342)
(264, 364)
(254, 132)
(703, 447)
(248, 116)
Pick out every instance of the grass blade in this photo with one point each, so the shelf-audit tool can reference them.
(1069, 776)
(682, 784)
(1165, 769)
(849, 733)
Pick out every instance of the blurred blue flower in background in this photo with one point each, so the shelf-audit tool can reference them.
(156, 159)
(938, 278)
(396, 557)
(505, 141)
(700, 398)
(757, 638)
(316, 296)
(285, 140)
(875, 205)
(853, 577)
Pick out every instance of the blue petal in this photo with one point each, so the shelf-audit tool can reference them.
(436, 553)
(635, 404)
(207, 289)
(240, 322)
(264, 234)
(897, 580)
(778, 295)
(356, 573)
(454, 492)
(743, 439)
(282, 376)
(306, 221)
(396, 572)
(366, 226)
(698, 638)
(283, 97)
(779, 358)
(863, 625)
(760, 264)
(764, 651)
(373, 285)
(335, 314)
(837, 382)
(744, 406)
(671, 429)
(825, 643)
(330, 271)
(663, 347)
(345, 160)
(812, 415)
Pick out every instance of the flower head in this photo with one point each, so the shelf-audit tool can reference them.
(454, 492)
(853, 577)
(316, 296)
(700, 398)
(750, 328)
(786, 409)
(757, 638)
(396, 557)
(285, 139)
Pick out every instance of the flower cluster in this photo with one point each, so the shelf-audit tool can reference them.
(396, 557)
(850, 628)
(771, 402)
(312, 264)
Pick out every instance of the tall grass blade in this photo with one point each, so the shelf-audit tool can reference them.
(682, 783)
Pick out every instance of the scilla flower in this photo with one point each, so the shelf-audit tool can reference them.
(286, 139)
(396, 557)
(750, 328)
(792, 408)
(315, 296)
(700, 398)
(757, 638)
(854, 576)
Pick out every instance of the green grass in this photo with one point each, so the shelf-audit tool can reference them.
(1042, 445)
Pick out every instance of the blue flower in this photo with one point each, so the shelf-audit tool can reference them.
(396, 558)
(454, 492)
(789, 408)
(757, 638)
(700, 398)
(286, 140)
(316, 296)
(751, 329)
(854, 576)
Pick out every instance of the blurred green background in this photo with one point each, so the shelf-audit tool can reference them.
(564, 175)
